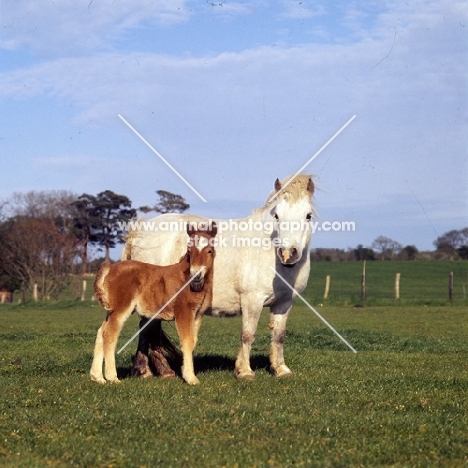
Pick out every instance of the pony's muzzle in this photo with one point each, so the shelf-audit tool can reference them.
(289, 257)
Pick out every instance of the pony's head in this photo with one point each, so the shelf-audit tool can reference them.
(200, 253)
(292, 210)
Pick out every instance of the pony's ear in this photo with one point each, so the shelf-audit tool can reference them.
(278, 185)
(310, 186)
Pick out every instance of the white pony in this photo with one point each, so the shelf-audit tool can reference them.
(277, 235)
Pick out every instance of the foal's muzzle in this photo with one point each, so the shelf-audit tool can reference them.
(197, 282)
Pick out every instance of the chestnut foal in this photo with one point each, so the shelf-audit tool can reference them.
(130, 285)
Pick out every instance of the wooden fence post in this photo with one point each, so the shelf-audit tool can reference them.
(451, 286)
(35, 292)
(327, 287)
(83, 291)
(397, 286)
(363, 282)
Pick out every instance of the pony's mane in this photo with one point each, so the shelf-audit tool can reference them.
(294, 191)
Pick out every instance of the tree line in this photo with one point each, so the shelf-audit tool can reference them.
(46, 236)
(453, 245)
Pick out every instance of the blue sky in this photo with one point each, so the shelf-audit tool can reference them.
(235, 94)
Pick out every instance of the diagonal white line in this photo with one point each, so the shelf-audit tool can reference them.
(157, 313)
(312, 158)
(160, 157)
(313, 310)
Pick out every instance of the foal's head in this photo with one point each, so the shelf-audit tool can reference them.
(201, 253)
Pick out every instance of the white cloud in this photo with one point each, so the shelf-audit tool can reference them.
(71, 26)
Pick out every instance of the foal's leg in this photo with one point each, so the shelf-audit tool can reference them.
(186, 330)
(98, 359)
(251, 310)
(196, 328)
(115, 322)
(278, 318)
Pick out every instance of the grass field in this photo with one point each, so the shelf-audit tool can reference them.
(402, 400)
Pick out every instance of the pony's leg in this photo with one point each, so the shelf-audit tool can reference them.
(251, 310)
(186, 328)
(110, 335)
(98, 358)
(140, 366)
(278, 318)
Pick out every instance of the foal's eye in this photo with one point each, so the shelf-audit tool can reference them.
(276, 217)
(309, 216)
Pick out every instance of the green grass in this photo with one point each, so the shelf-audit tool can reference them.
(400, 401)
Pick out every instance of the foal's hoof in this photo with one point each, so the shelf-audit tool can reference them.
(99, 380)
(281, 371)
(114, 381)
(244, 375)
(192, 381)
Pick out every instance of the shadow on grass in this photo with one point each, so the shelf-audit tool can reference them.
(207, 363)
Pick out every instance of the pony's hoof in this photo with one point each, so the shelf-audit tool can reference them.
(141, 373)
(168, 376)
(245, 375)
(114, 381)
(281, 371)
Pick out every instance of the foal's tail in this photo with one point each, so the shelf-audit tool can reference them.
(99, 289)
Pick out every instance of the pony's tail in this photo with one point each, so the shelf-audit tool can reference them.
(99, 289)
(129, 237)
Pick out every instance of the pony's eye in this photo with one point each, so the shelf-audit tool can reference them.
(309, 216)
(276, 217)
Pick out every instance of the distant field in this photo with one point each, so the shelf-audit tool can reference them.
(421, 282)
(401, 401)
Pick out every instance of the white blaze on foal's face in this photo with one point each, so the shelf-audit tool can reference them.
(201, 251)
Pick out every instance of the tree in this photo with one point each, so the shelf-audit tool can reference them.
(453, 243)
(110, 209)
(7, 281)
(386, 247)
(409, 252)
(52, 205)
(37, 251)
(85, 223)
(168, 203)
(363, 253)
